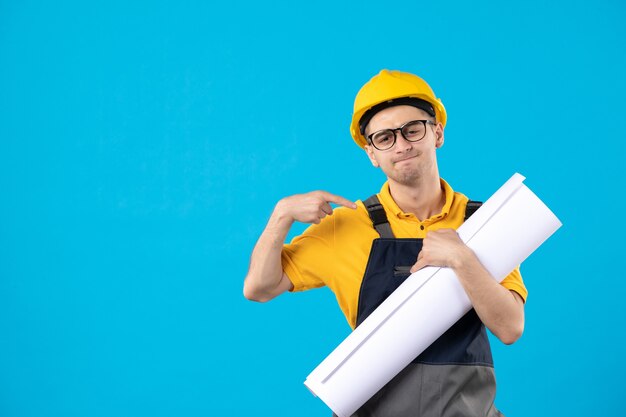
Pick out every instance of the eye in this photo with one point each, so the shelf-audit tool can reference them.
(413, 129)
(382, 138)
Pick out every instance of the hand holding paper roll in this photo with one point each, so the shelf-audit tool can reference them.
(501, 310)
(442, 248)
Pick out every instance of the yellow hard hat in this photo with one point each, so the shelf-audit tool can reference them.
(386, 87)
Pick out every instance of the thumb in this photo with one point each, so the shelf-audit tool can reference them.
(418, 265)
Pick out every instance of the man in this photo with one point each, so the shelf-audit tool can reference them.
(364, 251)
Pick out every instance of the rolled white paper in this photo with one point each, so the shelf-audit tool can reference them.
(508, 227)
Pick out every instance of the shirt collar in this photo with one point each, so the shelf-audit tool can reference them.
(389, 203)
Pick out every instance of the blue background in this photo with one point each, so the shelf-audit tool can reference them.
(143, 146)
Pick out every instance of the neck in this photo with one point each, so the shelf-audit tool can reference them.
(424, 199)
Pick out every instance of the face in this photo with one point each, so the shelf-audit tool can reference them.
(406, 162)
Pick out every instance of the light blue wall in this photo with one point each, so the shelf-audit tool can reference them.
(143, 145)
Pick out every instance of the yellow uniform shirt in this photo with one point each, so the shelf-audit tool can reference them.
(335, 252)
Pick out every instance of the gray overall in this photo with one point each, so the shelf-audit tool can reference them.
(454, 377)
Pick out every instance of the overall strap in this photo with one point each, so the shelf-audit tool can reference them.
(471, 208)
(381, 224)
(378, 216)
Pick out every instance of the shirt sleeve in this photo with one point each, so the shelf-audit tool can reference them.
(514, 282)
(307, 260)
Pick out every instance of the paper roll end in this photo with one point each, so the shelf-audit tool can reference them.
(518, 177)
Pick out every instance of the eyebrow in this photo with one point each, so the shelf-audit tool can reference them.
(401, 124)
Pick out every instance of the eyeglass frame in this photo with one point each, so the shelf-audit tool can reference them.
(399, 129)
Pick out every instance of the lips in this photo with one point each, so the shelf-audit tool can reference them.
(406, 158)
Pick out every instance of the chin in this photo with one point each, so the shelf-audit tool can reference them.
(407, 178)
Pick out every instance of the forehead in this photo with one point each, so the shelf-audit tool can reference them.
(395, 116)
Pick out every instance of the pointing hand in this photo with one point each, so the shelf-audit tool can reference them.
(310, 207)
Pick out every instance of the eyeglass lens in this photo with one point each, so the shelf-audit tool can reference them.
(412, 131)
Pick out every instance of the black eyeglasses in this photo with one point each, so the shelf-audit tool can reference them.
(413, 131)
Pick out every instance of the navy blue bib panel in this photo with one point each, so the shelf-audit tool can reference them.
(453, 377)
(464, 343)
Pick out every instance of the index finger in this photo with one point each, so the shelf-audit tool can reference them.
(332, 198)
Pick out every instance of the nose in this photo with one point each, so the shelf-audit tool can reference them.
(402, 144)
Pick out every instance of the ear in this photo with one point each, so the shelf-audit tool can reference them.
(439, 136)
(370, 153)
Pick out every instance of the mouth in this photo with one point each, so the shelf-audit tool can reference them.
(405, 159)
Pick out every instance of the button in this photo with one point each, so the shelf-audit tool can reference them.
(421, 226)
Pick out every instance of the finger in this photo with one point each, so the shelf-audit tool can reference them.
(418, 265)
(326, 208)
(332, 198)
